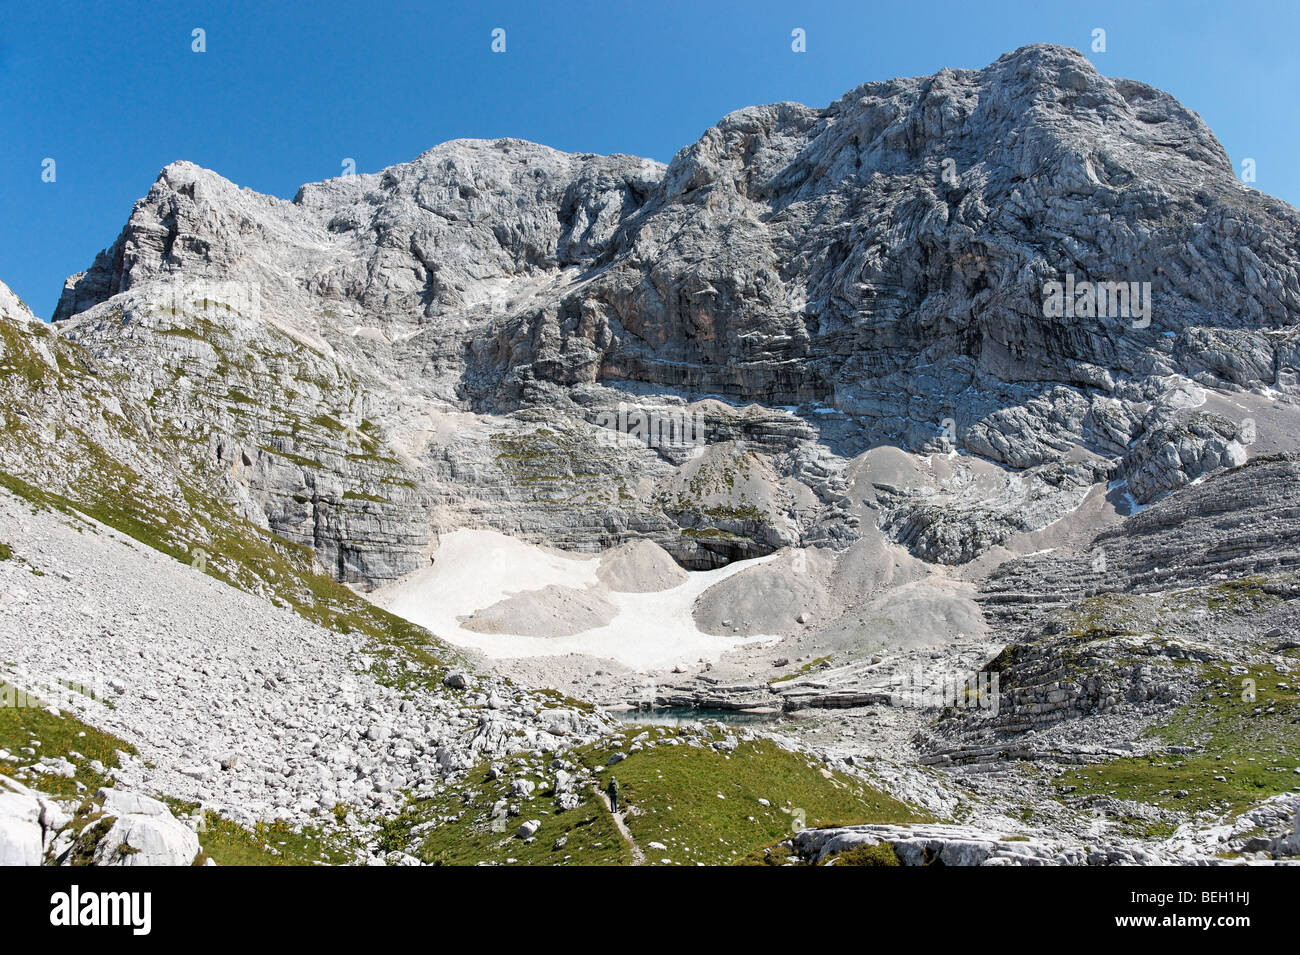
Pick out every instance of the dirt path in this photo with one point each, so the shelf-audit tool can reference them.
(638, 857)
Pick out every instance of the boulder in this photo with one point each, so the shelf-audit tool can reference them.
(21, 835)
(529, 829)
(144, 833)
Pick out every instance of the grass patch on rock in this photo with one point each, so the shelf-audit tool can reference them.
(271, 843)
(1241, 750)
(678, 790)
(703, 804)
(881, 854)
(26, 724)
(467, 824)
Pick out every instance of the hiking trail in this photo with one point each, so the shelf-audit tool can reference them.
(638, 856)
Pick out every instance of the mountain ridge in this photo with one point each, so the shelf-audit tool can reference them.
(791, 256)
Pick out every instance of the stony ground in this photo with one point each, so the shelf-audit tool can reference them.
(230, 702)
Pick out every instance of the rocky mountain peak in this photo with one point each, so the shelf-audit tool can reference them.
(12, 307)
(875, 272)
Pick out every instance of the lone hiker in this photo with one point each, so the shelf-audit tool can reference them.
(612, 790)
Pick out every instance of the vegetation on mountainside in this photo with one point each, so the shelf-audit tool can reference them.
(123, 475)
(64, 757)
(1225, 751)
(30, 733)
(704, 805)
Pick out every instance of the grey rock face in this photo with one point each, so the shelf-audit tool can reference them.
(143, 832)
(1175, 453)
(966, 846)
(117, 829)
(12, 307)
(827, 244)
(1234, 525)
(880, 266)
(22, 835)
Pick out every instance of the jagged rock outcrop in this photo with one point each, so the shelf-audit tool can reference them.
(12, 307)
(1235, 524)
(1173, 607)
(29, 823)
(1175, 453)
(112, 828)
(969, 846)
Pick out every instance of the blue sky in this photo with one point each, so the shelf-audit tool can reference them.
(287, 90)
